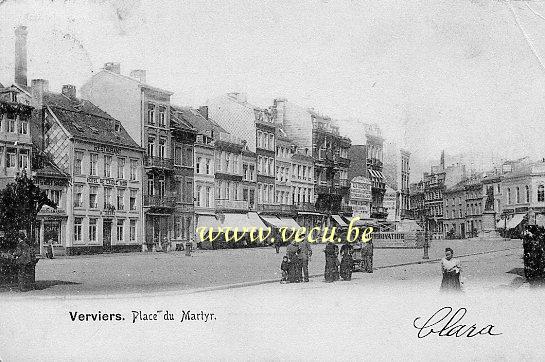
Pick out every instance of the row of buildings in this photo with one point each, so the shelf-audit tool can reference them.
(129, 170)
(456, 204)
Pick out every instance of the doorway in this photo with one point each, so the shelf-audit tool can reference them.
(107, 235)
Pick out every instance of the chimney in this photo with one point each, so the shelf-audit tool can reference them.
(113, 67)
(203, 110)
(69, 91)
(139, 74)
(20, 56)
(280, 106)
(37, 90)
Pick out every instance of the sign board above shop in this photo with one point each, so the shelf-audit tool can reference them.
(106, 181)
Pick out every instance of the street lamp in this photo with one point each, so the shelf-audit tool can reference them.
(426, 241)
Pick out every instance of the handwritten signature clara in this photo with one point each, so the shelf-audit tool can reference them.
(447, 323)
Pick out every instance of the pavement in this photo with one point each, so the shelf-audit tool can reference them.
(370, 318)
(174, 271)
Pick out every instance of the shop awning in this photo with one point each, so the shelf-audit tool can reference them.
(238, 221)
(272, 220)
(289, 223)
(339, 221)
(515, 221)
(501, 224)
(208, 221)
(255, 221)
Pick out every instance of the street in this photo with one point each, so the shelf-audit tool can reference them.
(155, 272)
(316, 320)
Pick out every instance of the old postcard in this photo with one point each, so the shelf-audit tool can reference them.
(272, 180)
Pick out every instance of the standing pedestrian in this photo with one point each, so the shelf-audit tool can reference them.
(292, 253)
(346, 262)
(306, 254)
(451, 272)
(277, 245)
(285, 267)
(331, 272)
(23, 259)
(367, 256)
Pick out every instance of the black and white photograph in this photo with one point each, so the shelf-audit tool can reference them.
(298, 180)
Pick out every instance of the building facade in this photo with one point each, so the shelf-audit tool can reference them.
(103, 198)
(145, 112)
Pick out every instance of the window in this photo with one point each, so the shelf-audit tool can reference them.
(235, 164)
(208, 170)
(120, 197)
(259, 141)
(227, 159)
(133, 170)
(260, 164)
(78, 221)
(189, 191)
(198, 165)
(132, 199)
(78, 196)
(107, 166)
(93, 160)
(55, 196)
(151, 114)
(527, 194)
(107, 197)
(162, 117)
(120, 223)
(11, 158)
(132, 230)
(93, 190)
(161, 186)
(508, 195)
(271, 141)
(271, 166)
(518, 195)
(162, 147)
(23, 126)
(11, 122)
(187, 155)
(178, 156)
(151, 146)
(252, 172)
(151, 186)
(92, 229)
(23, 159)
(78, 159)
(541, 193)
(198, 196)
(120, 168)
(208, 197)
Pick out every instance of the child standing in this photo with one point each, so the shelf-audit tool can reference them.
(285, 266)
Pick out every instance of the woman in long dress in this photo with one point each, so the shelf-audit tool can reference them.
(331, 262)
(347, 262)
(451, 272)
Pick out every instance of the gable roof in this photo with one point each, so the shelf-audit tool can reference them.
(83, 120)
(49, 169)
(197, 121)
(140, 84)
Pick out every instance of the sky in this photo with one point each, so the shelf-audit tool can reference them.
(464, 76)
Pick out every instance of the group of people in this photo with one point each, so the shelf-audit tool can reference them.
(295, 263)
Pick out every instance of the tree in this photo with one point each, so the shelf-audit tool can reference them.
(20, 203)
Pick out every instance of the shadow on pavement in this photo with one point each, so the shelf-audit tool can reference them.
(44, 284)
(517, 271)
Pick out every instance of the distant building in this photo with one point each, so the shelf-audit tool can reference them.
(390, 204)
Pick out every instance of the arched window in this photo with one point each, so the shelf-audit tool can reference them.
(518, 195)
(527, 194)
(508, 195)
(541, 193)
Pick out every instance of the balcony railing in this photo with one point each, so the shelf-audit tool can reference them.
(158, 162)
(222, 204)
(159, 201)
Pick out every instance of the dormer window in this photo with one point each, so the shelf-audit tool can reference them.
(117, 127)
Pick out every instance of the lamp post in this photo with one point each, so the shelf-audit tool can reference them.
(426, 241)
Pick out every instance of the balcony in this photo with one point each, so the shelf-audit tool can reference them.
(239, 205)
(158, 162)
(276, 208)
(379, 211)
(159, 201)
(374, 163)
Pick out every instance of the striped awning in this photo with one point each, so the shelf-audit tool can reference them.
(339, 221)
(515, 221)
(376, 174)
